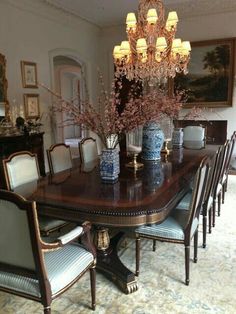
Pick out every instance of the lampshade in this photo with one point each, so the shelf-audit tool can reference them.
(141, 45)
(116, 52)
(152, 16)
(125, 48)
(161, 44)
(131, 21)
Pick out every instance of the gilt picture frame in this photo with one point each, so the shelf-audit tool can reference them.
(29, 74)
(209, 82)
(31, 102)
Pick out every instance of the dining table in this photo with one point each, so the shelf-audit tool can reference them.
(138, 197)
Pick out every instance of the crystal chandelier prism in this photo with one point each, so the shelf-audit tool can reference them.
(151, 53)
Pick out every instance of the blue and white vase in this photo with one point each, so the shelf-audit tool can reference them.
(153, 139)
(110, 165)
(177, 138)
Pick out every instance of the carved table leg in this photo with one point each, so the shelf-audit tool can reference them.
(109, 263)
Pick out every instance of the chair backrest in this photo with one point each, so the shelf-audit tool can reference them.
(17, 217)
(198, 193)
(212, 171)
(194, 137)
(221, 157)
(230, 151)
(19, 168)
(59, 158)
(88, 150)
(224, 159)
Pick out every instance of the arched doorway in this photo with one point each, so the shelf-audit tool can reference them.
(68, 79)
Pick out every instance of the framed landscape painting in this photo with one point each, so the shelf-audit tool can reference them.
(209, 82)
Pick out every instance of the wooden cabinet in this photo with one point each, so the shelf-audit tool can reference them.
(16, 143)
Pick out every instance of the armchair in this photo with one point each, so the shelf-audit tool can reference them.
(21, 168)
(32, 268)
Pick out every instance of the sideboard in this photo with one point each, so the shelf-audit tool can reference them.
(14, 143)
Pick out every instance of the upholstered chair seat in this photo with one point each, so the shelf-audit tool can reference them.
(48, 225)
(185, 202)
(171, 228)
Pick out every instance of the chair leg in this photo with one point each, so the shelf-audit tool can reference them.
(219, 203)
(187, 253)
(154, 245)
(93, 287)
(223, 193)
(195, 246)
(47, 310)
(204, 227)
(214, 213)
(226, 183)
(137, 256)
(210, 220)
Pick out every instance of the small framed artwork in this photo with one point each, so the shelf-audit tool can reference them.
(209, 82)
(31, 102)
(29, 74)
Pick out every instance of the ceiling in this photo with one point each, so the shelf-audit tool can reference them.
(106, 13)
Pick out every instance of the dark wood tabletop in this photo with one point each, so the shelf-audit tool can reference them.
(138, 197)
(145, 196)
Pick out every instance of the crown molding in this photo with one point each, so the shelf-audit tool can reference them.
(203, 7)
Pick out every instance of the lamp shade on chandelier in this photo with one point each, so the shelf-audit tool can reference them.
(151, 53)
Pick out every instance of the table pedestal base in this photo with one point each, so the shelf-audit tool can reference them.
(109, 263)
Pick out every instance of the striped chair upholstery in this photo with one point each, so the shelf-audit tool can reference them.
(32, 268)
(21, 168)
(181, 226)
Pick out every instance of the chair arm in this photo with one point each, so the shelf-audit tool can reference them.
(86, 239)
(70, 236)
(83, 231)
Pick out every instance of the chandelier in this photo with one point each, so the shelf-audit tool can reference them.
(151, 53)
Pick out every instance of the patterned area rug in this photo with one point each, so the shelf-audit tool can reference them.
(212, 286)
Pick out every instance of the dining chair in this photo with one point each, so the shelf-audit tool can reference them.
(59, 158)
(32, 268)
(206, 209)
(21, 168)
(227, 167)
(181, 226)
(219, 188)
(88, 150)
(194, 137)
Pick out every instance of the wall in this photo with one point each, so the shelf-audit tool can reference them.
(194, 29)
(30, 30)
